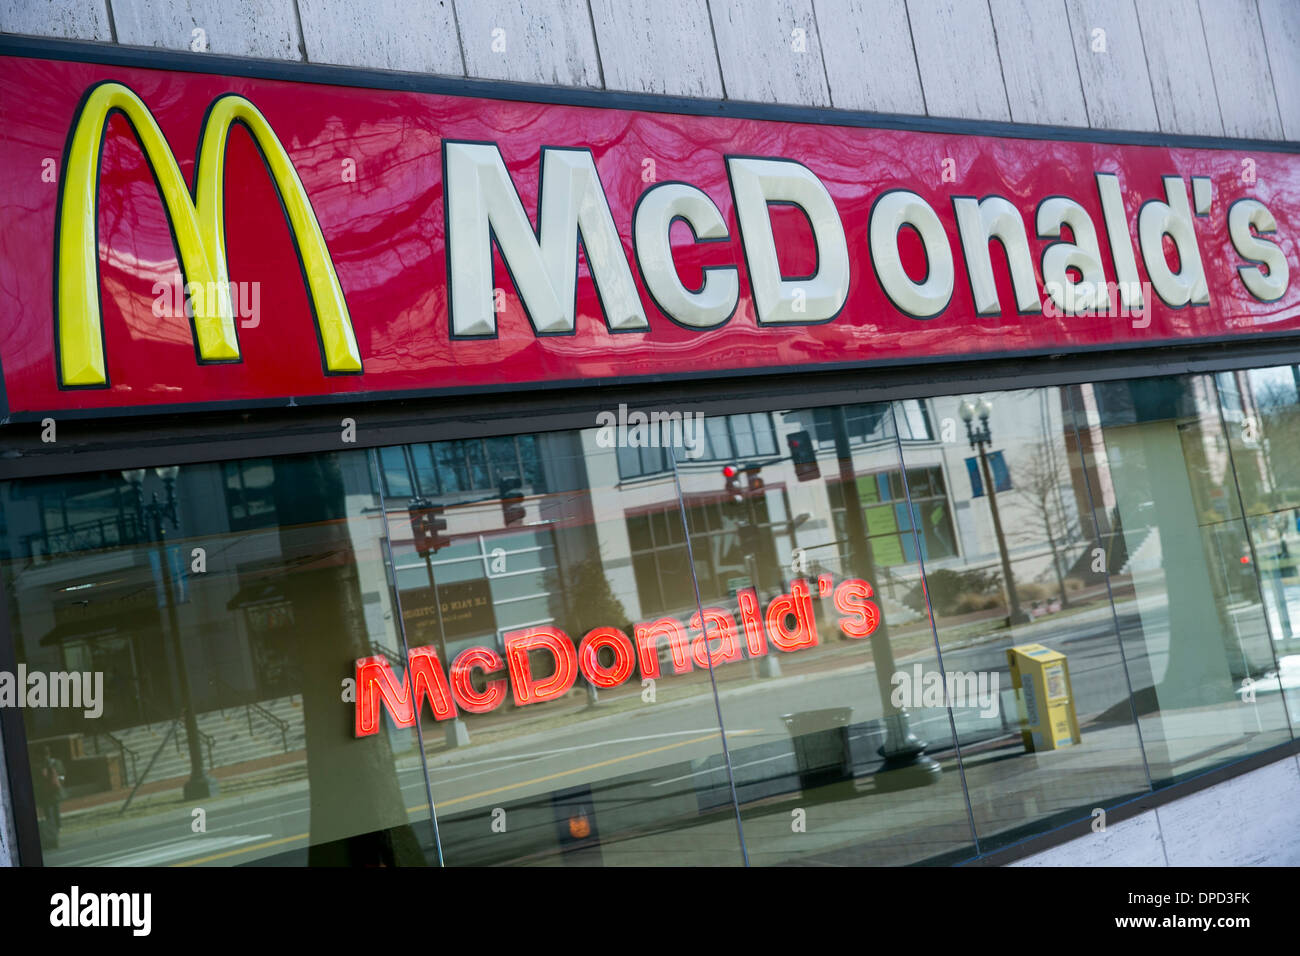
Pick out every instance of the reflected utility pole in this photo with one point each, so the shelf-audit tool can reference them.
(150, 516)
(904, 752)
(427, 527)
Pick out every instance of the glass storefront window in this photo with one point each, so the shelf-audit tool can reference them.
(1013, 569)
(1263, 428)
(1182, 570)
(930, 627)
(223, 615)
(565, 759)
(810, 564)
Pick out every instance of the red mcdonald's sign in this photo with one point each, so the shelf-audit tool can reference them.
(180, 238)
(715, 643)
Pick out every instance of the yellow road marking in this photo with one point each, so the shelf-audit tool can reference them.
(256, 846)
(476, 796)
(590, 766)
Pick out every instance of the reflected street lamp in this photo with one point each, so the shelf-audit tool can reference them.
(150, 515)
(981, 437)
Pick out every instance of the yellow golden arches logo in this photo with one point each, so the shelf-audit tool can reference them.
(199, 229)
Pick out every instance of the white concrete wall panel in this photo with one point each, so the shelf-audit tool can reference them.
(664, 47)
(261, 28)
(1252, 820)
(418, 36)
(549, 42)
(1132, 842)
(1179, 65)
(1112, 64)
(1279, 21)
(958, 58)
(770, 51)
(69, 19)
(1241, 69)
(1042, 80)
(1166, 65)
(867, 49)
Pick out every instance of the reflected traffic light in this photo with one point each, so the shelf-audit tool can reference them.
(804, 456)
(512, 501)
(734, 496)
(427, 525)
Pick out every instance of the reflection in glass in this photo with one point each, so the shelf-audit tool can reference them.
(1182, 572)
(265, 590)
(1021, 573)
(583, 722)
(819, 554)
(854, 581)
(1261, 412)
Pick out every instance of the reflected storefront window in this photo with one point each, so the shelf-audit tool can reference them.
(223, 606)
(1182, 570)
(830, 766)
(886, 633)
(1261, 414)
(581, 724)
(1021, 574)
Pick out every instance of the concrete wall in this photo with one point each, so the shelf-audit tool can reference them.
(1218, 67)
(1214, 67)
(1251, 820)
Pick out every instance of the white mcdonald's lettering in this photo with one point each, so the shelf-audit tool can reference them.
(484, 207)
(199, 227)
(756, 183)
(482, 203)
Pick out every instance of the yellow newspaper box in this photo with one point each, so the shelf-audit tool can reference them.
(1041, 676)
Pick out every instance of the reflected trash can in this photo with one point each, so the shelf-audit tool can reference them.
(821, 745)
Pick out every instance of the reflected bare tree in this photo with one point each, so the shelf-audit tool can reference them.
(1039, 478)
